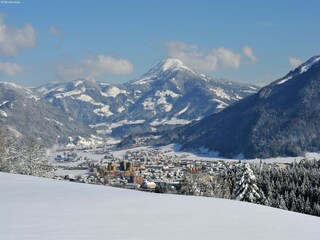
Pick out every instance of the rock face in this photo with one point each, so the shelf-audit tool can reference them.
(24, 114)
(282, 119)
(169, 94)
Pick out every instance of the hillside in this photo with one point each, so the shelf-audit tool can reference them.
(282, 119)
(22, 113)
(43, 209)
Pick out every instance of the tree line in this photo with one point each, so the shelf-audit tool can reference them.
(293, 187)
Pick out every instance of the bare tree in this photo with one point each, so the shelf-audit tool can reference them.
(3, 160)
(8, 153)
(34, 160)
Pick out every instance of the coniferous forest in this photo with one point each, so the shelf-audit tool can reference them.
(294, 187)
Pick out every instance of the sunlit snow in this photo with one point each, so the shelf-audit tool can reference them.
(35, 208)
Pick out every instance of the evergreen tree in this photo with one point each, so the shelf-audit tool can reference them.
(281, 203)
(246, 188)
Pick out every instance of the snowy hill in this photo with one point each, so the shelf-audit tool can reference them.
(282, 119)
(42, 209)
(168, 94)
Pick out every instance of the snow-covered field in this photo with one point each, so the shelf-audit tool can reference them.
(172, 150)
(203, 154)
(34, 208)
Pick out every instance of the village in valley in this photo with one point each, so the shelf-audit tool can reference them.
(140, 168)
(144, 168)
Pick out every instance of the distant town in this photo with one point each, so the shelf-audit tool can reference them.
(141, 169)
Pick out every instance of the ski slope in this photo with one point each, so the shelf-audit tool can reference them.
(34, 208)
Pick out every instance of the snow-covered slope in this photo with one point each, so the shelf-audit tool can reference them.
(299, 70)
(282, 119)
(34, 208)
(22, 113)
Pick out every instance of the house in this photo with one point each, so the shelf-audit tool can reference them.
(136, 178)
(126, 166)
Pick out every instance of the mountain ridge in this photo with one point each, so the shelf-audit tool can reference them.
(167, 95)
(279, 120)
(22, 113)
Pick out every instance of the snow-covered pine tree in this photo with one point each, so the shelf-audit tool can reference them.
(246, 187)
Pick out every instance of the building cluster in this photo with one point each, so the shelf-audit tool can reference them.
(143, 169)
(150, 170)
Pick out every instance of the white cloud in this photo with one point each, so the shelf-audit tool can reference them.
(227, 57)
(294, 62)
(208, 61)
(248, 52)
(13, 39)
(10, 69)
(93, 67)
(55, 31)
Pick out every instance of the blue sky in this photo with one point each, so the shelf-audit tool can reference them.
(117, 41)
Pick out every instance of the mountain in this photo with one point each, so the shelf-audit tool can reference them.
(45, 209)
(282, 119)
(167, 95)
(23, 114)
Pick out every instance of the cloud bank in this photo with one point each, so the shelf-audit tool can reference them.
(210, 60)
(93, 67)
(13, 39)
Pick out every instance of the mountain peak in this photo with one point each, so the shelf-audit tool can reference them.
(165, 66)
(171, 63)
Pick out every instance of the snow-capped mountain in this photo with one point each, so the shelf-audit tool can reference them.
(24, 114)
(282, 119)
(169, 94)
